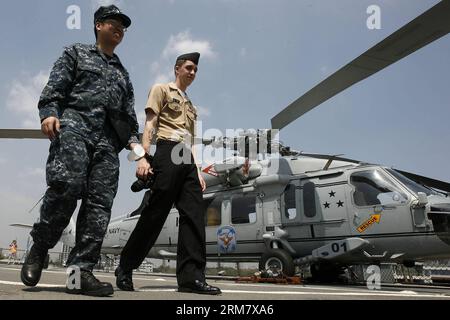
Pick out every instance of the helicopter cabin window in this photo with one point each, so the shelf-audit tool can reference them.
(372, 187)
(213, 212)
(309, 199)
(243, 209)
(290, 209)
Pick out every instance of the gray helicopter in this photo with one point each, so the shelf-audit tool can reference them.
(284, 208)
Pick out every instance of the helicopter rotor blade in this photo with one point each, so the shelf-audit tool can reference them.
(428, 27)
(21, 134)
(37, 134)
(433, 183)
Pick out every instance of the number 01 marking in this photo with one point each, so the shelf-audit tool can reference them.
(336, 247)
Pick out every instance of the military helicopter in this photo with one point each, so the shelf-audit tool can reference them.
(284, 208)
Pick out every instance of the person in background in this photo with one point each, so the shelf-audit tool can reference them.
(13, 252)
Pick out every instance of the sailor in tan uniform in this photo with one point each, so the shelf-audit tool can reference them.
(171, 117)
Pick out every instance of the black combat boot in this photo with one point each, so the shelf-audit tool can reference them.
(124, 279)
(200, 287)
(32, 267)
(91, 286)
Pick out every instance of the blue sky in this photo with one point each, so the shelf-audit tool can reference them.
(257, 57)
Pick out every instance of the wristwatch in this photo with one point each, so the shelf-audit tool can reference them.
(137, 153)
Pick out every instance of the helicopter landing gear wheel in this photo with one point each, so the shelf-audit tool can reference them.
(278, 261)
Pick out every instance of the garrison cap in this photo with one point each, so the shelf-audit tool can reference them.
(111, 12)
(193, 56)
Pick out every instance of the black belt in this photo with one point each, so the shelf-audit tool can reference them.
(162, 142)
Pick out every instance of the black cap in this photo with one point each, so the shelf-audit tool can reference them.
(111, 12)
(193, 56)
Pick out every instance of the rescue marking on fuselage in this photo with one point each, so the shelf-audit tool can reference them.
(369, 222)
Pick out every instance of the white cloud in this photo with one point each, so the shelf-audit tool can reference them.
(99, 3)
(161, 74)
(243, 52)
(3, 161)
(23, 98)
(163, 77)
(180, 43)
(183, 43)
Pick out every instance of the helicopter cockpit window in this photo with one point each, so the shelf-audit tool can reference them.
(213, 212)
(375, 188)
(290, 209)
(243, 209)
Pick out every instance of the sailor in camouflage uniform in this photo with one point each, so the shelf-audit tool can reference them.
(87, 111)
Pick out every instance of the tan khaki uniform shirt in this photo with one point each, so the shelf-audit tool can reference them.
(176, 114)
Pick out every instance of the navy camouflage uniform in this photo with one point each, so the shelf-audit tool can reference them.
(86, 91)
